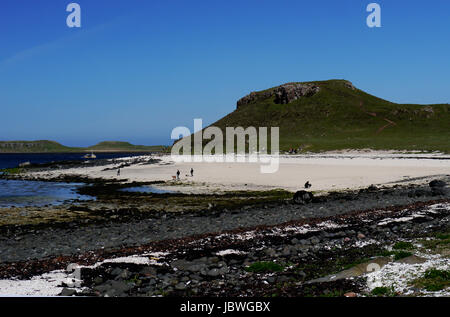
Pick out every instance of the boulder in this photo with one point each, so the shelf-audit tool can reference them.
(303, 197)
(349, 85)
(438, 188)
(68, 292)
(437, 184)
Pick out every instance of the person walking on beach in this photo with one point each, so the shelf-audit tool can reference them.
(192, 172)
(178, 175)
(118, 172)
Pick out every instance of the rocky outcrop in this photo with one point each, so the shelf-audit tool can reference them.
(253, 97)
(349, 85)
(283, 94)
(289, 92)
(302, 197)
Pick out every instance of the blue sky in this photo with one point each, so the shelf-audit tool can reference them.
(137, 69)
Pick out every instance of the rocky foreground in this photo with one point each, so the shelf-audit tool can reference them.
(378, 241)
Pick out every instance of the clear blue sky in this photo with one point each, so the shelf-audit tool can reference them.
(137, 69)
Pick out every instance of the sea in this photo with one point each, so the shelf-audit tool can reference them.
(8, 160)
(21, 193)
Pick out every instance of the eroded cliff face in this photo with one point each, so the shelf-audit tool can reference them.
(283, 94)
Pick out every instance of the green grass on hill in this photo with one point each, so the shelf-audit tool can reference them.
(338, 117)
(42, 146)
(124, 146)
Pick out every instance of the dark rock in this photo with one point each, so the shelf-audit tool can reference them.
(213, 272)
(439, 191)
(270, 252)
(421, 219)
(116, 271)
(102, 288)
(180, 264)
(148, 271)
(437, 184)
(121, 287)
(282, 279)
(301, 275)
(286, 251)
(98, 280)
(418, 193)
(303, 197)
(124, 275)
(180, 286)
(304, 242)
(67, 292)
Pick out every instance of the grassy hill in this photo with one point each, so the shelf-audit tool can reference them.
(54, 147)
(340, 116)
(42, 146)
(124, 147)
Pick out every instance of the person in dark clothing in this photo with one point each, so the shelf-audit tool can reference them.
(192, 172)
(118, 172)
(178, 174)
(307, 184)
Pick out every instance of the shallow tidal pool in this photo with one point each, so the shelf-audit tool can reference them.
(22, 193)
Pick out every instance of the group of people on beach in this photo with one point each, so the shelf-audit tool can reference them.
(295, 150)
(178, 173)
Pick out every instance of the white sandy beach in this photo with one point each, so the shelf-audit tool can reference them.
(324, 171)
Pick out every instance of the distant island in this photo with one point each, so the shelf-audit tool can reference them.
(45, 146)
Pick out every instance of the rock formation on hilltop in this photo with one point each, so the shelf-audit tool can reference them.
(283, 94)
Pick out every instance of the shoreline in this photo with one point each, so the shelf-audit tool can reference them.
(205, 237)
(332, 171)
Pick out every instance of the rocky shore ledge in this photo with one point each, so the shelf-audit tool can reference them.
(339, 243)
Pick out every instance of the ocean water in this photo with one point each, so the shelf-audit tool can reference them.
(145, 189)
(8, 160)
(20, 193)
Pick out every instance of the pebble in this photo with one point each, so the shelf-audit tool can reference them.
(54, 242)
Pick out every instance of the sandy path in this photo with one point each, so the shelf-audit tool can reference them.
(325, 172)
